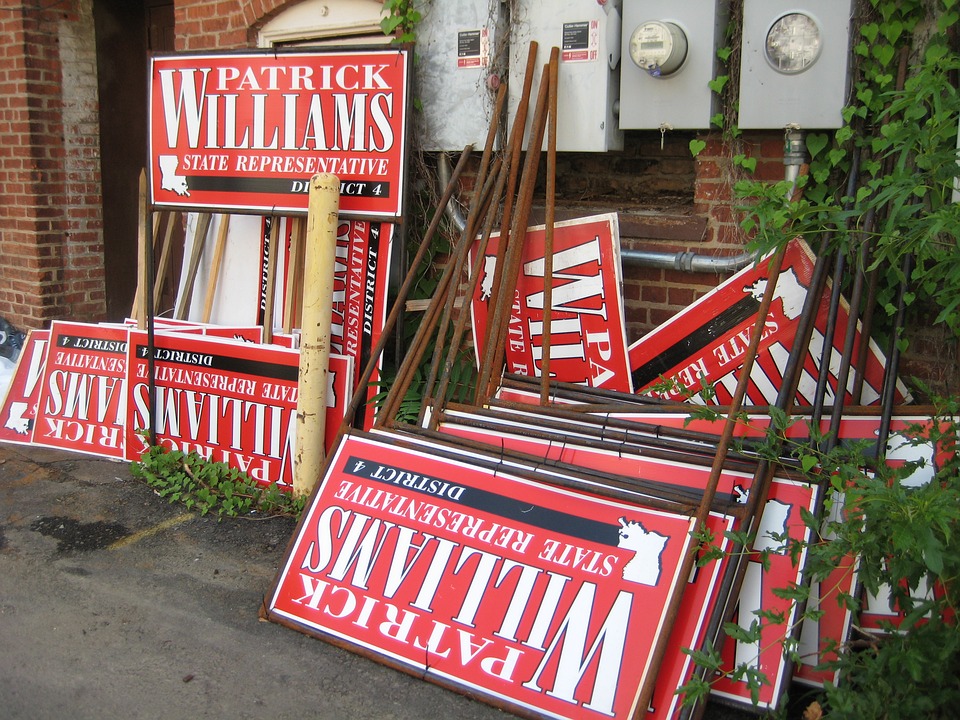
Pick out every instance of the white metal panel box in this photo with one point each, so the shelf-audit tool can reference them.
(456, 72)
(587, 34)
(669, 59)
(794, 61)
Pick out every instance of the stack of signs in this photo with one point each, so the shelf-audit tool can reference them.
(908, 442)
(229, 402)
(542, 599)
(707, 341)
(86, 388)
(587, 330)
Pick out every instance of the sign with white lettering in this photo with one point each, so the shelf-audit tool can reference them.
(708, 340)
(535, 597)
(247, 131)
(587, 334)
(229, 402)
(82, 403)
(19, 409)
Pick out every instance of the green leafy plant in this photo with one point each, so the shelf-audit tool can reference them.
(400, 21)
(904, 535)
(211, 487)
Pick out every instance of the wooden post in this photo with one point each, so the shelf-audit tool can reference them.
(144, 248)
(215, 266)
(320, 257)
(186, 291)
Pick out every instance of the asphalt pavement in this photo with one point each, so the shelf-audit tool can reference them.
(116, 604)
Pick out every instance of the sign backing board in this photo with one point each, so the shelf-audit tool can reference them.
(247, 131)
(481, 581)
(587, 336)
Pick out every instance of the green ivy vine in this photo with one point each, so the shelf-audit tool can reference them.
(904, 132)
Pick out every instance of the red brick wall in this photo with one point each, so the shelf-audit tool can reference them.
(51, 262)
(223, 25)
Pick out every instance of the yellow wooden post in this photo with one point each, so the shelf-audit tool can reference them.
(320, 257)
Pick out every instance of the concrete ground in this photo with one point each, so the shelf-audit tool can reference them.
(116, 604)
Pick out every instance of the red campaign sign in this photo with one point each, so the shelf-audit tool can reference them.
(360, 295)
(247, 131)
(545, 600)
(708, 340)
(229, 402)
(587, 337)
(780, 517)
(19, 409)
(82, 403)
(360, 300)
(698, 598)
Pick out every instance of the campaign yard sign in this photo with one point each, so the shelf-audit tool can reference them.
(361, 282)
(540, 599)
(247, 131)
(83, 395)
(227, 401)
(19, 409)
(587, 332)
(708, 341)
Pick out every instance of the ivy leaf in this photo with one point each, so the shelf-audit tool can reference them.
(697, 146)
(870, 32)
(816, 142)
(835, 156)
(884, 54)
(892, 31)
(718, 83)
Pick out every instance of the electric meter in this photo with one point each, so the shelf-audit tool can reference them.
(658, 47)
(793, 43)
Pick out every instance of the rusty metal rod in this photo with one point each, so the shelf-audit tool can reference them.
(497, 325)
(464, 316)
(514, 150)
(421, 339)
(429, 322)
(404, 290)
(551, 200)
(469, 229)
(554, 472)
(689, 560)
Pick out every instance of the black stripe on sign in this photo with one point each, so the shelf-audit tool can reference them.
(281, 186)
(695, 341)
(489, 502)
(221, 363)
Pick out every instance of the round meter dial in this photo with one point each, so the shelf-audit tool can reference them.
(793, 43)
(658, 47)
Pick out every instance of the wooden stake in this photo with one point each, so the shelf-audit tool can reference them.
(215, 266)
(294, 287)
(172, 217)
(186, 291)
(320, 258)
(144, 247)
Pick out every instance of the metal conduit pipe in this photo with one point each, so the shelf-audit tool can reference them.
(794, 156)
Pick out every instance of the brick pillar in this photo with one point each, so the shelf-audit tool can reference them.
(51, 265)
